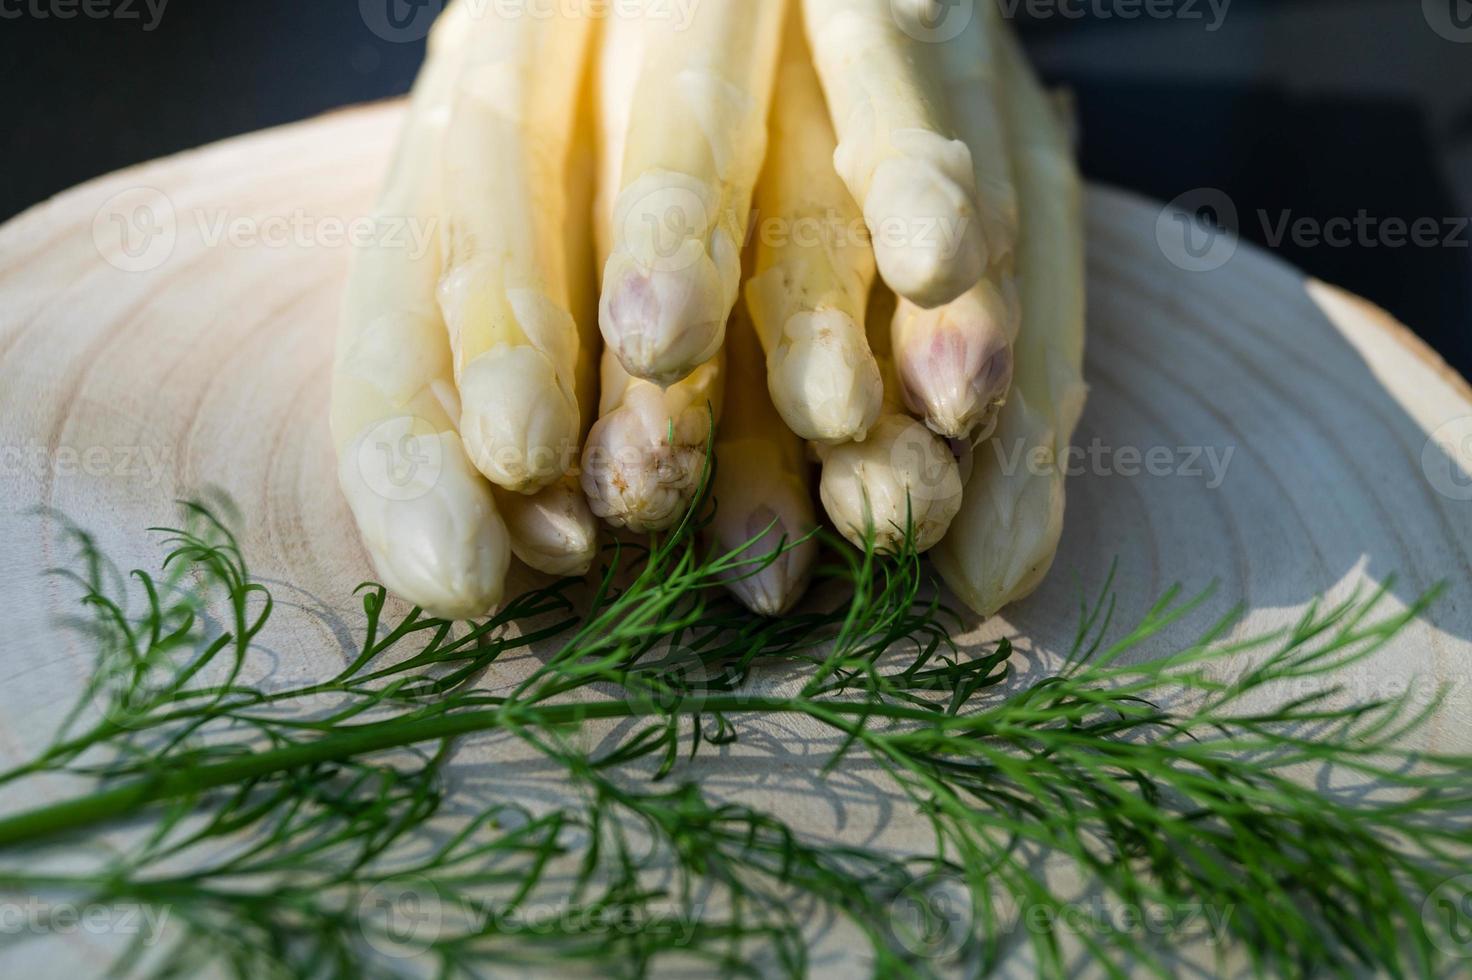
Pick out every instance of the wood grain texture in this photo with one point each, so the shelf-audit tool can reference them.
(1303, 444)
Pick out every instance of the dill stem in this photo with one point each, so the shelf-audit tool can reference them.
(349, 742)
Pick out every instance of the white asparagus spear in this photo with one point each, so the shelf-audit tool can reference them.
(690, 159)
(898, 150)
(617, 58)
(814, 267)
(955, 362)
(553, 530)
(644, 457)
(426, 516)
(968, 66)
(762, 490)
(902, 475)
(505, 289)
(1006, 536)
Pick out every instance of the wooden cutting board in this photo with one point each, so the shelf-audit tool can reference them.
(169, 328)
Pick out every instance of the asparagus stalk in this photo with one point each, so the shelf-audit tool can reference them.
(955, 362)
(426, 516)
(689, 163)
(968, 67)
(505, 291)
(618, 55)
(553, 530)
(898, 149)
(763, 494)
(644, 457)
(814, 272)
(902, 477)
(582, 252)
(1006, 536)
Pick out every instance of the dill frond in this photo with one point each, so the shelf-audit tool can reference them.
(278, 825)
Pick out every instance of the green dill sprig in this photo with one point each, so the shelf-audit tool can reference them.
(272, 818)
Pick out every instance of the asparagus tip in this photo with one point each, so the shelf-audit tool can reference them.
(634, 475)
(662, 322)
(518, 420)
(902, 476)
(927, 243)
(956, 363)
(773, 588)
(552, 531)
(823, 379)
(426, 517)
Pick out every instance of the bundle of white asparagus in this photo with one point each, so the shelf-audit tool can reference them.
(829, 244)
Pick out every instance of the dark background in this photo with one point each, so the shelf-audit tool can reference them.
(1313, 110)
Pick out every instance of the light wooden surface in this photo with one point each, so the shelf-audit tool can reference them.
(1312, 445)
